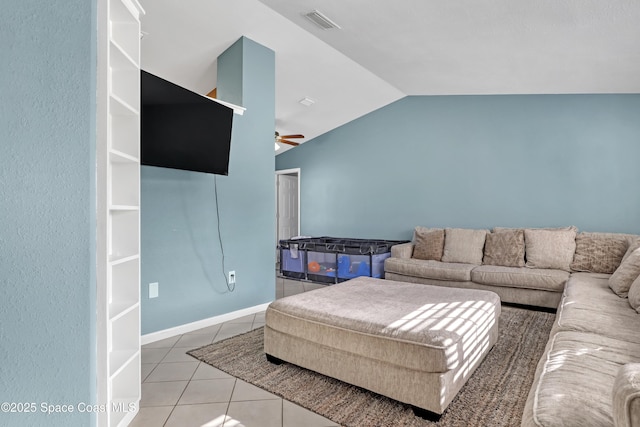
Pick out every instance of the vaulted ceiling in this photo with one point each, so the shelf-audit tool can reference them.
(386, 50)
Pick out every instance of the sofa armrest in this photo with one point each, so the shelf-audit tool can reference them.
(626, 396)
(403, 250)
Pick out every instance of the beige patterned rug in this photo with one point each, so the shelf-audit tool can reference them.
(494, 395)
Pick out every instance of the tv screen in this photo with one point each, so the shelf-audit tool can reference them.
(181, 129)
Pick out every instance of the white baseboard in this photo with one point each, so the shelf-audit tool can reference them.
(190, 327)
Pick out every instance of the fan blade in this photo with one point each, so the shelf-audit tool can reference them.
(284, 141)
(292, 136)
(213, 93)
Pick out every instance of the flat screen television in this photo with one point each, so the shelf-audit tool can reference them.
(181, 129)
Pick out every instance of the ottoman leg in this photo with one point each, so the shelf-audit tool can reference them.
(426, 414)
(274, 359)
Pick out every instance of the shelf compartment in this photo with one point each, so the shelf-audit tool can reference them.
(119, 360)
(124, 28)
(119, 309)
(124, 135)
(125, 85)
(125, 236)
(125, 339)
(121, 33)
(124, 131)
(119, 58)
(125, 288)
(125, 187)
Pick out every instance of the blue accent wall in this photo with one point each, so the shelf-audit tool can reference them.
(180, 247)
(230, 75)
(474, 161)
(47, 209)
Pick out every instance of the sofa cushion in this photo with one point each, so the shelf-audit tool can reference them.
(429, 269)
(428, 244)
(517, 277)
(626, 396)
(634, 295)
(623, 277)
(546, 248)
(579, 372)
(599, 252)
(588, 305)
(464, 245)
(505, 248)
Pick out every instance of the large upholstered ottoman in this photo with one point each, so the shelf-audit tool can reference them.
(414, 343)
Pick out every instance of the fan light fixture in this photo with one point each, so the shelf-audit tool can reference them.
(277, 146)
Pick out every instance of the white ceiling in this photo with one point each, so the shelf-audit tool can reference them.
(388, 49)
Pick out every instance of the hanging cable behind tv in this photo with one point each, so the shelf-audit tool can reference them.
(230, 287)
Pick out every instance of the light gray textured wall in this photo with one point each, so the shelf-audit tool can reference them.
(47, 209)
(475, 161)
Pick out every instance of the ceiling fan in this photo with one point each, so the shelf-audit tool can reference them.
(285, 138)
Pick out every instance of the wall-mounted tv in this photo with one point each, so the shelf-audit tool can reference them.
(181, 129)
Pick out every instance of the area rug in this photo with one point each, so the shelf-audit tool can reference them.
(494, 395)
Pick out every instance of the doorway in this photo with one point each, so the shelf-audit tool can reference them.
(287, 204)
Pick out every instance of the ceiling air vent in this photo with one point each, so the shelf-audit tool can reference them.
(321, 20)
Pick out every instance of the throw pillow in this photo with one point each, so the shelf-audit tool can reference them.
(420, 229)
(623, 277)
(633, 245)
(463, 245)
(505, 248)
(550, 248)
(598, 253)
(634, 294)
(428, 244)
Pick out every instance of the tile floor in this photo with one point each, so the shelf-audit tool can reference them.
(178, 390)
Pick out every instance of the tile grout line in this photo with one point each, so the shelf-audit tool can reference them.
(179, 397)
(235, 382)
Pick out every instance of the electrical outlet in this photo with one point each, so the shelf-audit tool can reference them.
(232, 277)
(153, 290)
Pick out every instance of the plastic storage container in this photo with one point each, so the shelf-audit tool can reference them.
(333, 260)
(292, 262)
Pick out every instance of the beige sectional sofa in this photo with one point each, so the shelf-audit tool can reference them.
(589, 374)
